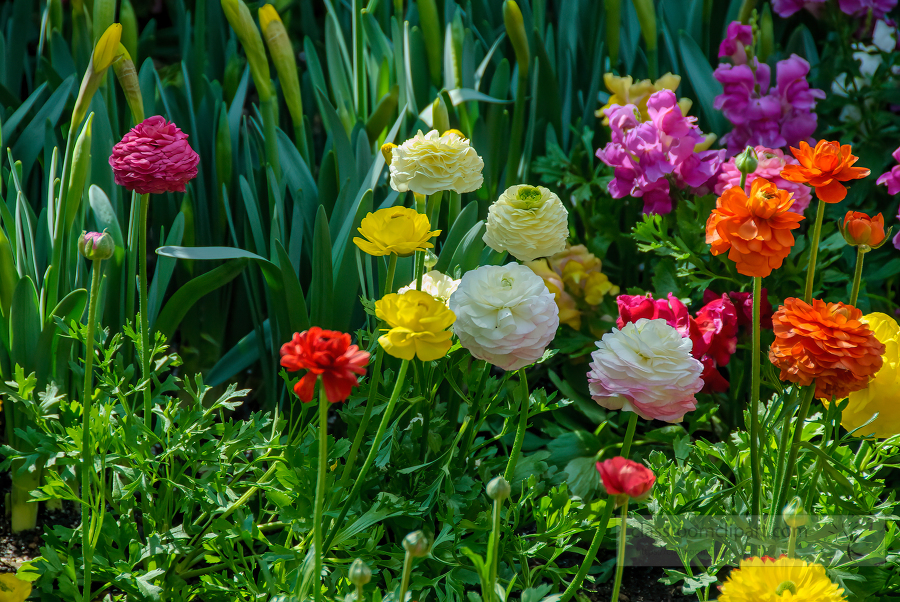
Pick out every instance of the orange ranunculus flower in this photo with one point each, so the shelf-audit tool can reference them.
(755, 230)
(825, 342)
(860, 229)
(824, 168)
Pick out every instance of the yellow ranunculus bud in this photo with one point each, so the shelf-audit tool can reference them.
(418, 325)
(131, 86)
(882, 396)
(241, 22)
(397, 230)
(268, 14)
(107, 48)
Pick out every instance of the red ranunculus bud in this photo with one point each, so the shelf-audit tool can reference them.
(623, 477)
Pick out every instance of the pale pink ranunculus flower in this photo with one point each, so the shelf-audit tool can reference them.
(154, 157)
(771, 162)
(647, 368)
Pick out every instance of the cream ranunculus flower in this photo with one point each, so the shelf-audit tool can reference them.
(440, 286)
(429, 163)
(527, 221)
(646, 368)
(504, 315)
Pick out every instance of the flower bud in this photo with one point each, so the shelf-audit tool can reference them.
(127, 76)
(515, 29)
(283, 56)
(430, 260)
(794, 515)
(387, 150)
(498, 489)
(862, 231)
(454, 131)
(439, 117)
(81, 160)
(416, 544)
(96, 245)
(747, 161)
(360, 573)
(105, 52)
(239, 18)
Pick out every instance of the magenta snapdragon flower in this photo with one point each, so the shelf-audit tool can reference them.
(762, 115)
(650, 156)
(736, 39)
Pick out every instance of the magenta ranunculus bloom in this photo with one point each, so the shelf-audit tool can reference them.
(154, 157)
(646, 156)
(763, 115)
(737, 37)
(771, 162)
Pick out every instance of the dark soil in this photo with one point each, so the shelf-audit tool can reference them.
(16, 548)
(639, 584)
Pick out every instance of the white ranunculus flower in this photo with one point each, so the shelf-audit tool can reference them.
(440, 286)
(646, 368)
(504, 315)
(429, 163)
(529, 222)
(884, 36)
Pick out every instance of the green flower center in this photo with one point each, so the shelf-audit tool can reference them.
(786, 586)
(529, 197)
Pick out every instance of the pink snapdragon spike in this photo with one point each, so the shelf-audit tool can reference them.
(772, 117)
(647, 155)
(736, 39)
(154, 157)
(770, 163)
(891, 179)
(861, 8)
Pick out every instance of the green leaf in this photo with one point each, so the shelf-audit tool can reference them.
(70, 308)
(185, 297)
(9, 276)
(240, 357)
(293, 293)
(25, 324)
(105, 215)
(468, 252)
(165, 266)
(29, 144)
(700, 74)
(465, 221)
(584, 478)
(321, 290)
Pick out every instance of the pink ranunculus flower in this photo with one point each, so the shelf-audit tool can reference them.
(154, 157)
(634, 307)
(771, 162)
(646, 367)
(733, 46)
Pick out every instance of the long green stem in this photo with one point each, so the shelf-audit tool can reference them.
(495, 550)
(754, 403)
(320, 489)
(359, 61)
(792, 542)
(857, 275)
(370, 459)
(795, 448)
(588, 560)
(524, 406)
(404, 580)
(620, 556)
(389, 279)
(145, 316)
(87, 460)
(813, 252)
(782, 448)
(364, 422)
(471, 414)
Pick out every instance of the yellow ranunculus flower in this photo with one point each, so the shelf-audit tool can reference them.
(883, 393)
(785, 579)
(626, 91)
(13, 589)
(107, 48)
(398, 230)
(418, 325)
(597, 286)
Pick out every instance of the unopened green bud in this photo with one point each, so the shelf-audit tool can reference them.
(241, 22)
(283, 56)
(130, 84)
(794, 514)
(498, 489)
(747, 161)
(416, 544)
(96, 245)
(81, 161)
(646, 14)
(515, 30)
(360, 573)
(439, 117)
(129, 28)
(430, 260)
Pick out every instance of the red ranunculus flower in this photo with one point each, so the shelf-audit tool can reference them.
(153, 158)
(623, 477)
(327, 353)
(743, 303)
(717, 321)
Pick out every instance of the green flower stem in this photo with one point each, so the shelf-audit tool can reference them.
(370, 459)
(783, 487)
(389, 280)
(471, 414)
(359, 593)
(591, 554)
(404, 580)
(87, 460)
(620, 556)
(133, 224)
(782, 447)
(754, 403)
(320, 489)
(494, 549)
(524, 406)
(267, 108)
(813, 252)
(857, 275)
(144, 325)
(367, 415)
(359, 61)
(792, 543)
